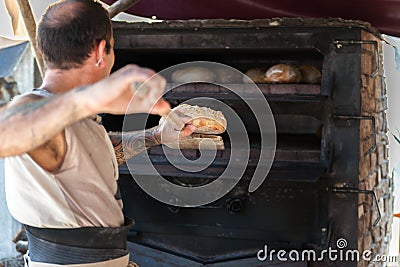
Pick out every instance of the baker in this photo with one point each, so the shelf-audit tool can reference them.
(61, 166)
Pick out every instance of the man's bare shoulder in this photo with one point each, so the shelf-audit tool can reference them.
(51, 154)
(23, 99)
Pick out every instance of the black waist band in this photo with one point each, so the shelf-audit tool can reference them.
(77, 245)
(85, 237)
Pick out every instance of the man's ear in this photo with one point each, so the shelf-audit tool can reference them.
(100, 51)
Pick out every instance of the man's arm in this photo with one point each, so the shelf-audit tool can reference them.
(129, 144)
(29, 122)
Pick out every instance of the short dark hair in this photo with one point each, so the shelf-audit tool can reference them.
(70, 29)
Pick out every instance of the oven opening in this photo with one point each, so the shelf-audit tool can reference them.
(241, 59)
(297, 109)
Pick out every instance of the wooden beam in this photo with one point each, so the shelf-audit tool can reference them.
(30, 25)
(120, 6)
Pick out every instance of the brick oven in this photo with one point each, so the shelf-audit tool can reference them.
(329, 180)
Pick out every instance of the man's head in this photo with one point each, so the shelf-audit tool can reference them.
(69, 31)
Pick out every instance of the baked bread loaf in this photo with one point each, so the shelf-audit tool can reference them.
(310, 74)
(206, 120)
(193, 74)
(254, 74)
(283, 73)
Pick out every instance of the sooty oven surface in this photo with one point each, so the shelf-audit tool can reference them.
(297, 206)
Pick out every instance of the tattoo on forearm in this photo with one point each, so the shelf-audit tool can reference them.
(119, 151)
(132, 144)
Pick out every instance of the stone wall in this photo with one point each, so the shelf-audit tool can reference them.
(374, 166)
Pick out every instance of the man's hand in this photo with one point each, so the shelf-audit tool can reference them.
(114, 94)
(166, 133)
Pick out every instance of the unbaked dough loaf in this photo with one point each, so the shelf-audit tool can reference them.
(283, 73)
(310, 74)
(255, 74)
(193, 74)
(206, 120)
(227, 75)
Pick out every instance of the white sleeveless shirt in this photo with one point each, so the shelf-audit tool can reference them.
(81, 193)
